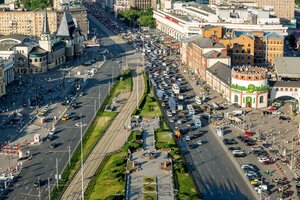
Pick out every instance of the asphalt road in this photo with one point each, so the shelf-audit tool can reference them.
(215, 174)
(43, 163)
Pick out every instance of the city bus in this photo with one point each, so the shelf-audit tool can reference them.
(197, 121)
(191, 109)
(175, 89)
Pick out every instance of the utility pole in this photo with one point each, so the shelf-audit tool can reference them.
(99, 96)
(69, 150)
(82, 191)
(95, 109)
(137, 87)
(49, 189)
(56, 173)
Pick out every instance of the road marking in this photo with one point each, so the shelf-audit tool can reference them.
(26, 188)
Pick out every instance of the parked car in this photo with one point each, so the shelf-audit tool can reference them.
(248, 133)
(187, 138)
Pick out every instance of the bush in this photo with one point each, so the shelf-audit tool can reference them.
(120, 197)
(119, 162)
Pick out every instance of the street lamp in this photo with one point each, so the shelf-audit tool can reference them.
(80, 124)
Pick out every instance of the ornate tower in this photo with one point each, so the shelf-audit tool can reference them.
(45, 41)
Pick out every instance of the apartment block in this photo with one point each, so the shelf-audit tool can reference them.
(282, 9)
(31, 22)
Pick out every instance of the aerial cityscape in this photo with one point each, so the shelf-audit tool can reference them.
(150, 100)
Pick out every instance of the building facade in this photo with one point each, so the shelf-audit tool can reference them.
(32, 56)
(281, 9)
(142, 4)
(204, 54)
(244, 86)
(31, 22)
(248, 48)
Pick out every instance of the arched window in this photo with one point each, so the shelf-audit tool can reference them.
(236, 98)
(261, 99)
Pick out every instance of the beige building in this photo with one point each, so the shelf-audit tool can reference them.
(31, 22)
(282, 9)
(142, 4)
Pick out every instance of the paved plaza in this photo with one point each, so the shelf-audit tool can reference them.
(150, 167)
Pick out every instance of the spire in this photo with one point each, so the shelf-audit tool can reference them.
(46, 29)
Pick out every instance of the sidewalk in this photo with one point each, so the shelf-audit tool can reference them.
(150, 168)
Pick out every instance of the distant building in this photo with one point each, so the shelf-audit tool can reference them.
(31, 22)
(285, 10)
(248, 48)
(142, 4)
(181, 20)
(32, 56)
(202, 54)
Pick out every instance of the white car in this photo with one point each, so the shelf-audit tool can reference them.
(52, 131)
(180, 97)
(198, 100)
(263, 159)
(187, 138)
(199, 142)
(238, 152)
(246, 166)
(276, 113)
(169, 114)
(250, 173)
(261, 187)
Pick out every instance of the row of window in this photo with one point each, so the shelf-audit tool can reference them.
(236, 99)
(287, 89)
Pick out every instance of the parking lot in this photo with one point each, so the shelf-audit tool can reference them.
(262, 151)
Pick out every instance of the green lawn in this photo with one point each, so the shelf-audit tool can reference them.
(95, 131)
(150, 107)
(186, 188)
(111, 179)
(126, 84)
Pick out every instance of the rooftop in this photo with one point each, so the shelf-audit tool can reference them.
(221, 71)
(208, 43)
(287, 67)
(284, 83)
(214, 54)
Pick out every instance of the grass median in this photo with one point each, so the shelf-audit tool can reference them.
(95, 131)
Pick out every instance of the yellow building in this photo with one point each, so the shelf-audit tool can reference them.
(241, 49)
(31, 22)
(248, 48)
(268, 46)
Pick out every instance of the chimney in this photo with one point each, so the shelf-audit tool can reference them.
(224, 52)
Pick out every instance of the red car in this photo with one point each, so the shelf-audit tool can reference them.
(271, 109)
(248, 133)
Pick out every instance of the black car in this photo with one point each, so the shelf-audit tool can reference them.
(229, 141)
(234, 148)
(53, 145)
(49, 138)
(240, 155)
(37, 183)
(76, 117)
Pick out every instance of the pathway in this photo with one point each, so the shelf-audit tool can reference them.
(164, 179)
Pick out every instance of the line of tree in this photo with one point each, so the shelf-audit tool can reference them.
(136, 18)
(34, 4)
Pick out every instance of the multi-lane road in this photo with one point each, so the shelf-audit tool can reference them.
(43, 163)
